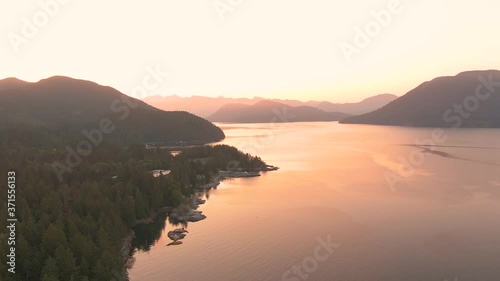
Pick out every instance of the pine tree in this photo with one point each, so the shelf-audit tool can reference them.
(50, 270)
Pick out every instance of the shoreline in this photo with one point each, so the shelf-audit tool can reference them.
(127, 242)
(194, 201)
(222, 175)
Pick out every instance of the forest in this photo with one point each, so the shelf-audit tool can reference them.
(75, 230)
(56, 111)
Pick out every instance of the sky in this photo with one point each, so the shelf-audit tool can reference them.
(341, 51)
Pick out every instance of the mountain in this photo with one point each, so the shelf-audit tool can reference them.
(201, 106)
(206, 106)
(270, 111)
(469, 99)
(297, 102)
(11, 83)
(57, 109)
(365, 106)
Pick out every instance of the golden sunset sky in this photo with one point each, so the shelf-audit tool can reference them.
(244, 48)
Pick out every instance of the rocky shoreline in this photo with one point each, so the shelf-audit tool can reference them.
(188, 212)
(127, 242)
(222, 175)
(127, 248)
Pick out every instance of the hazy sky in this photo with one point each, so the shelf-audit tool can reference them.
(270, 48)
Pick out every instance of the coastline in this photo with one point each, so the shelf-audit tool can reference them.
(222, 175)
(191, 207)
(127, 242)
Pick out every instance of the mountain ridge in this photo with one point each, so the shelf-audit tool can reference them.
(364, 106)
(438, 102)
(206, 106)
(60, 108)
(266, 111)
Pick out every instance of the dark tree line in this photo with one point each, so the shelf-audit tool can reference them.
(75, 230)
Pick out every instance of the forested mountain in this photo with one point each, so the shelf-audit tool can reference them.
(73, 225)
(56, 110)
(269, 111)
(76, 230)
(469, 99)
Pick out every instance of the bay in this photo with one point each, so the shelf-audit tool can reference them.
(392, 209)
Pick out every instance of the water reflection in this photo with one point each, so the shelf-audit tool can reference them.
(440, 221)
(147, 235)
(177, 223)
(176, 243)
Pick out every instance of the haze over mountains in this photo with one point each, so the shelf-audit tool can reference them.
(365, 106)
(469, 99)
(198, 105)
(57, 109)
(267, 111)
(206, 106)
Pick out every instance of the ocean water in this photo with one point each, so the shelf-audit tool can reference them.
(350, 202)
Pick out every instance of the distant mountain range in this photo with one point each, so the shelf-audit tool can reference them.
(201, 106)
(205, 106)
(267, 111)
(469, 99)
(57, 109)
(365, 106)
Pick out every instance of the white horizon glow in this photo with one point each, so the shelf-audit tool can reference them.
(274, 49)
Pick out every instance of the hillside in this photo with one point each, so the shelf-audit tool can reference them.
(443, 102)
(362, 107)
(11, 83)
(57, 109)
(270, 111)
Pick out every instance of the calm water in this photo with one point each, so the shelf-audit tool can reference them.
(435, 217)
